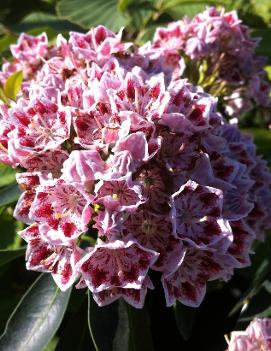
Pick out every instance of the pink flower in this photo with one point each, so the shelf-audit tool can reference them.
(257, 336)
(243, 237)
(98, 44)
(28, 182)
(197, 217)
(187, 283)
(127, 167)
(64, 207)
(83, 166)
(50, 161)
(42, 256)
(116, 264)
(155, 232)
(40, 125)
(29, 48)
(121, 193)
(134, 297)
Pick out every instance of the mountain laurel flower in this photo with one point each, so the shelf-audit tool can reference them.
(127, 167)
(221, 56)
(257, 336)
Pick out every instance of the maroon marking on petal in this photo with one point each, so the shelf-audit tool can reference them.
(66, 273)
(115, 280)
(100, 35)
(27, 142)
(189, 291)
(101, 107)
(178, 98)
(53, 223)
(41, 254)
(209, 199)
(197, 115)
(187, 190)
(215, 212)
(133, 293)
(98, 277)
(81, 124)
(155, 91)
(62, 117)
(40, 108)
(42, 196)
(144, 263)
(212, 228)
(31, 232)
(22, 118)
(44, 211)
(68, 229)
(86, 266)
(210, 266)
(130, 90)
(131, 275)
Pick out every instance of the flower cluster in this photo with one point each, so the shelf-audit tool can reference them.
(127, 170)
(256, 337)
(219, 53)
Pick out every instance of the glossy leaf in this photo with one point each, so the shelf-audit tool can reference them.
(102, 322)
(262, 139)
(8, 255)
(185, 318)
(258, 307)
(87, 13)
(9, 240)
(39, 19)
(9, 194)
(3, 97)
(13, 85)
(75, 335)
(263, 9)
(7, 175)
(36, 318)
(139, 328)
(179, 8)
(119, 327)
(255, 286)
(264, 47)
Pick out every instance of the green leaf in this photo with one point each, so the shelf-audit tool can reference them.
(8, 255)
(36, 318)
(13, 85)
(52, 344)
(7, 175)
(139, 328)
(263, 9)
(9, 194)
(87, 13)
(6, 40)
(264, 47)
(9, 227)
(102, 322)
(41, 19)
(259, 306)
(3, 97)
(119, 327)
(185, 318)
(262, 139)
(75, 335)
(255, 286)
(179, 8)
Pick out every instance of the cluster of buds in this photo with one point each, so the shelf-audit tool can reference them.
(215, 50)
(257, 337)
(126, 170)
